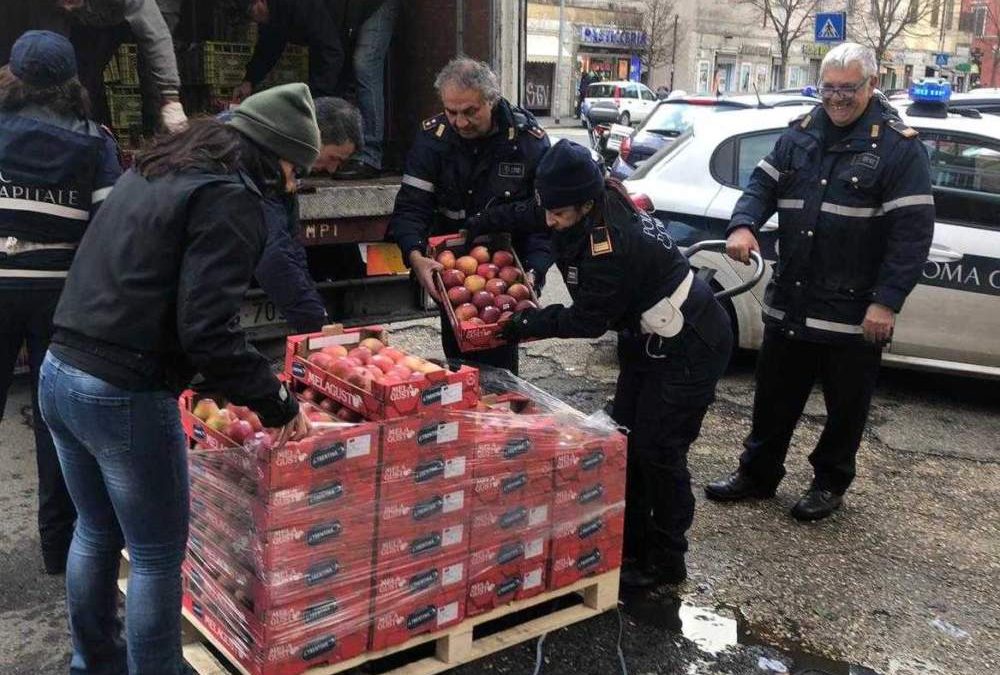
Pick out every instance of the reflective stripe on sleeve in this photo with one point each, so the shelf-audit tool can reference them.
(768, 169)
(791, 203)
(418, 183)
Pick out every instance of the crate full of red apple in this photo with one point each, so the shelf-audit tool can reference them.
(481, 287)
(357, 369)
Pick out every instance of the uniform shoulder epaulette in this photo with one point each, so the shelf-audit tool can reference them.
(536, 131)
(435, 125)
(600, 242)
(899, 126)
(802, 121)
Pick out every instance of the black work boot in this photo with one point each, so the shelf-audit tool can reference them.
(666, 570)
(735, 487)
(816, 504)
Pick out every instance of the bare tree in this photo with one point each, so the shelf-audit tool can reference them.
(657, 21)
(991, 38)
(790, 20)
(880, 23)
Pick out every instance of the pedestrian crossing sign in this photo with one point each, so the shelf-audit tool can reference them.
(831, 27)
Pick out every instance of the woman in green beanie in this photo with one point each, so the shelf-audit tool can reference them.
(152, 298)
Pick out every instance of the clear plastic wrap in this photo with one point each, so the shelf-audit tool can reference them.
(366, 535)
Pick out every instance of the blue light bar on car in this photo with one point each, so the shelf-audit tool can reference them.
(930, 90)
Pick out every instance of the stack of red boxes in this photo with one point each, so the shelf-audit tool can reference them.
(421, 551)
(443, 506)
(279, 554)
(588, 504)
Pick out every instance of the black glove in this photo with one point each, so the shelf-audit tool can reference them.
(516, 327)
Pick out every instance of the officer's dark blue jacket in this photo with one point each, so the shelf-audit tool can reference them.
(54, 174)
(283, 271)
(449, 179)
(855, 221)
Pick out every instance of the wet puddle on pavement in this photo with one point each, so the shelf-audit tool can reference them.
(716, 630)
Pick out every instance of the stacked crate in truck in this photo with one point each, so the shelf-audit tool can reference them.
(121, 79)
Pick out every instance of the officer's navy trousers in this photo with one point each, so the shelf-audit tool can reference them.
(786, 372)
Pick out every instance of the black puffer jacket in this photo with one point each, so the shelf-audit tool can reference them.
(155, 290)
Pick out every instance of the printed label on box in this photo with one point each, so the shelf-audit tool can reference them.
(454, 501)
(453, 574)
(447, 432)
(534, 548)
(447, 613)
(454, 467)
(452, 535)
(532, 579)
(538, 516)
(359, 446)
(451, 393)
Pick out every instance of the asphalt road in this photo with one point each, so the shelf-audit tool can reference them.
(902, 581)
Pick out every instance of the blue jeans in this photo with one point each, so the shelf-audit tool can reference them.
(370, 49)
(124, 457)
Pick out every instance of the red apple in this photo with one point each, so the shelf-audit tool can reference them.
(475, 283)
(383, 363)
(321, 360)
(519, 292)
(205, 408)
(487, 270)
(482, 299)
(239, 431)
(362, 354)
(375, 371)
(489, 314)
(510, 274)
(447, 259)
(361, 377)
(525, 304)
(402, 372)
(372, 344)
(343, 366)
(496, 286)
(335, 351)
(452, 278)
(481, 254)
(393, 354)
(466, 311)
(467, 264)
(503, 258)
(388, 380)
(505, 303)
(459, 295)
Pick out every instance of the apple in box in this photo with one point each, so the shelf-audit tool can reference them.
(496, 286)
(475, 283)
(503, 259)
(481, 254)
(467, 265)
(510, 274)
(459, 295)
(452, 278)
(519, 292)
(447, 259)
(466, 312)
(489, 314)
(487, 270)
(505, 303)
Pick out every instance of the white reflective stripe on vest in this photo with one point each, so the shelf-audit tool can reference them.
(453, 215)
(418, 183)
(912, 200)
(43, 207)
(820, 324)
(100, 195)
(791, 203)
(33, 274)
(768, 169)
(851, 211)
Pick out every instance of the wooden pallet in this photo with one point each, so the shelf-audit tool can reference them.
(453, 646)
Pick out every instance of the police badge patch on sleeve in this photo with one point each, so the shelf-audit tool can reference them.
(600, 242)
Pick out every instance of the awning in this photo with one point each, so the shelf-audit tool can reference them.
(543, 48)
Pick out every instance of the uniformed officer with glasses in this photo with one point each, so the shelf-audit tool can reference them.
(851, 185)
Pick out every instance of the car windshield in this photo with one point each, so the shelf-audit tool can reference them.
(673, 119)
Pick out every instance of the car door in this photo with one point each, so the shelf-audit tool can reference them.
(631, 102)
(648, 102)
(953, 314)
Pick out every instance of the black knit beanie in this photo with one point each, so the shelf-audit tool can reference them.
(568, 176)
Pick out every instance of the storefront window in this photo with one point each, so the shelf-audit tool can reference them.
(704, 70)
(745, 70)
(795, 77)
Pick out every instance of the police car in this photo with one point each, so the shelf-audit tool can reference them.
(951, 320)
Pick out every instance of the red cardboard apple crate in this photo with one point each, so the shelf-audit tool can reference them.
(396, 585)
(422, 507)
(423, 543)
(437, 468)
(399, 623)
(491, 524)
(595, 459)
(572, 501)
(507, 485)
(347, 572)
(514, 569)
(586, 547)
(513, 448)
(409, 439)
(289, 652)
(325, 454)
(439, 389)
(472, 337)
